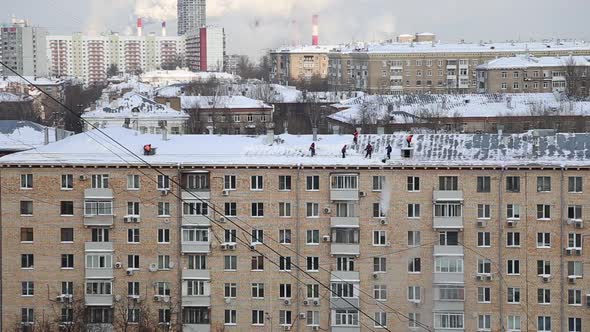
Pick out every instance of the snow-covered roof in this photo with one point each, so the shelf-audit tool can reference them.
(221, 102)
(6, 97)
(306, 49)
(131, 85)
(18, 135)
(132, 105)
(185, 76)
(526, 61)
(43, 81)
(169, 91)
(469, 105)
(92, 148)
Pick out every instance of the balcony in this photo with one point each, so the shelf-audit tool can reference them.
(345, 249)
(196, 301)
(196, 274)
(196, 220)
(196, 328)
(448, 250)
(447, 305)
(449, 278)
(348, 276)
(448, 222)
(98, 193)
(344, 303)
(196, 247)
(98, 300)
(98, 220)
(352, 222)
(447, 195)
(344, 194)
(99, 273)
(99, 246)
(345, 329)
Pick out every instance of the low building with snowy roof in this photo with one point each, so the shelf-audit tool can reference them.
(169, 77)
(134, 110)
(18, 136)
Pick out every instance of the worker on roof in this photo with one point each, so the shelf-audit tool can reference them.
(344, 151)
(369, 150)
(147, 149)
(355, 137)
(312, 149)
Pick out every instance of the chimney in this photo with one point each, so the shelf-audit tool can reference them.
(315, 36)
(315, 134)
(45, 135)
(164, 134)
(270, 136)
(139, 27)
(163, 28)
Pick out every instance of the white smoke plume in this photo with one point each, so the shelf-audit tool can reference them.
(385, 200)
(155, 10)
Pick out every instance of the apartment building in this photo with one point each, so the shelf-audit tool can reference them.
(205, 49)
(23, 49)
(192, 14)
(454, 233)
(535, 74)
(299, 64)
(89, 57)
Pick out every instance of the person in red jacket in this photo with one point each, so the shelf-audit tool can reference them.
(355, 137)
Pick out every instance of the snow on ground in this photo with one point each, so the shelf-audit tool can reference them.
(290, 150)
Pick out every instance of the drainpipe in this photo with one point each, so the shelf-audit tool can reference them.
(561, 246)
(297, 243)
(500, 228)
(179, 317)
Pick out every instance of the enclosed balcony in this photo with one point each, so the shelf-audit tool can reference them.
(98, 212)
(447, 195)
(98, 246)
(345, 241)
(195, 240)
(344, 187)
(98, 300)
(448, 215)
(196, 186)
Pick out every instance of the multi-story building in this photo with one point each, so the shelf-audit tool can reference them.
(535, 74)
(292, 64)
(454, 233)
(192, 15)
(205, 49)
(23, 49)
(89, 57)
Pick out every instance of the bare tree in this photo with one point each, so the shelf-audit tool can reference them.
(133, 314)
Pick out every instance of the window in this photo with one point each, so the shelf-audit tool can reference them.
(195, 208)
(574, 184)
(379, 238)
(313, 264)
(543, 183)
(100, 181)
(377, 211)
(543, 240)
(132, 182)
(284, 182)
(312, 236)
(284, 263)
(285, 236)
(230, 290)
(484, 322)
(257, 263)
(574, 296)
(344, 263)
(413, 183)
(543, 296)
(414, 265)
(230, 209)
(448, 320)
(258, 290)
(414, 319)
(133, 235)
(346, 318)
(448, 183)
(284, 291)
(450, 293)
(133, 288)
(513, 211)
(197, 182)
(230, 263)
(163, 235)
(414, 294)
(380, 319)
(413, 210)
(230, 317)
(448, 210)
(257, 236)
(513, 239)
(258, 209)
(544, 324)
(313, 183)
(285, 209)
(484, 266)
(198, 262)
(229, 235)
(26, 208)
(164, 262)
(483, 239)
(229, 182)
(575, 269)
(132, 262)
(67, 261)
(313, 318)
(27, 316)
(448, 265)
(513, 294)
(448, 238)
(163, 288)
(98, 208)
(379, 264)
(513, 184)
(26, 181)
(543, 268)
(27, 288)
(195, 235)
(164, 316)
(257, 317)
(484, 294)
(413, 238)
(574, 241)
(26, 234)
(483, 211)
(574, 324)
(483, 184)
(513, 267)
(163, 209)
(574, 212)
(26, 261)
(345, 182)
(313, 291)
(378, 181)
(543, 211)
(67, 181)
(67, 235)
(513, 323)
(99, 288)
(257, 182)
(312, 210)
(163, 182)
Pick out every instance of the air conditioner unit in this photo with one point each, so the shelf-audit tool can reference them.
(231, 246)
(153, 267)
(228, 300)
(129, 272)
(571, 279)
(134, 219)
(253, 247)
(315, 328)
(568, 251)
(481, 223)
(510, 223)
(118, 265)
(286, 328)
(306, 302)
(171, 265)
(83, 178)
(164, 192)
(383, 222)
(578, 224)
(489, 277)
(225, 193)
(546, 278)
(287, 302)
(302, 315)
(316, 302)
(327, 210)
(362, 194)
(479, 277)
(126, 219)
(223, 247)
(157, 298)
(326, 238)
(221, 219)
(375, 275)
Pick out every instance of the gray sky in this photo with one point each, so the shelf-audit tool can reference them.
(254, 25)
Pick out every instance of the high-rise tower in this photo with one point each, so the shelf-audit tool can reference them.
(192, 15)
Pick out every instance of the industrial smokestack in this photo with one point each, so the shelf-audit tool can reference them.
(139, 27)
(163, 28)
(315, 36)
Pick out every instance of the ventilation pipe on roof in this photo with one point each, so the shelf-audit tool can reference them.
(380, 130)
(336, 130)
(45, 136)
(315, 134)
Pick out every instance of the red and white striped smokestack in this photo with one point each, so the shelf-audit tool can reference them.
(163, 28)
(139, 27)
(315, 36)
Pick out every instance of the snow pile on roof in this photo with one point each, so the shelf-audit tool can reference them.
(469, 105)
(170, 91)
(168, 77)
(527, 61)
(132, 104)
(6, 97)
(197, 150)
(220, 102)
(307, 49)
(5, 80)
(24, 135)
(275, 93)
(130, 86)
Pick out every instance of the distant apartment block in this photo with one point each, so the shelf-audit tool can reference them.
(299, 64)
(192, 15)
(205, 49)
(23, 49)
